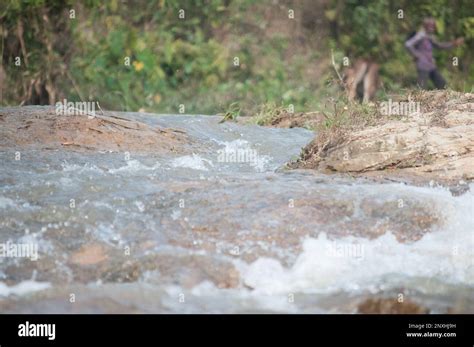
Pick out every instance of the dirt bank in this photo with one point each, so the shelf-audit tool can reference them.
(434, 144)
(309, 120)
(43, 128)
(281, 118)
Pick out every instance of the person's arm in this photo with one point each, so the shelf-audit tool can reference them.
(447, 45)
(411, 43)
(442, 45)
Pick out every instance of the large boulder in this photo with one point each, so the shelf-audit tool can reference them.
(434, 145)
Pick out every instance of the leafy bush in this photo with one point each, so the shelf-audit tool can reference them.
(140, 55)
(378, 30)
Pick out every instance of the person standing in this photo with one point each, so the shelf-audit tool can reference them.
(421, 45)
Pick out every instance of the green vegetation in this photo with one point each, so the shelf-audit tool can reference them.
(267, 113)
(232, 112)
(378, 29)
(223, 55)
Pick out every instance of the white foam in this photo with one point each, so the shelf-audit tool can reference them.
(259, 162)
(192, 162)
(22, 288)
(134, 166)
(6, 202)
(80, 169)
(140, 206)
(176, 214)
(234, 145)
(355, 263)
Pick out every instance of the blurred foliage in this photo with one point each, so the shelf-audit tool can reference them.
(378, 30)
(141, 55)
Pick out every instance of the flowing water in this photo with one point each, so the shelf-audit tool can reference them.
(223, 227)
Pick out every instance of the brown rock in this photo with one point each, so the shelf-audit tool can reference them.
(436, 145)
(42, 127)
(390, 306)
(89, 255)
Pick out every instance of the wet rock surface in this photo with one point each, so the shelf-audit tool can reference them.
(390, 306)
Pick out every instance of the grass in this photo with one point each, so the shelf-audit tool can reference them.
(233, 111)
(268, 113)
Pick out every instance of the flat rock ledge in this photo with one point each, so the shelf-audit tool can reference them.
(437, 145)
(42, 128)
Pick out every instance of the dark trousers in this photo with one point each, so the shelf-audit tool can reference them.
(433, 75)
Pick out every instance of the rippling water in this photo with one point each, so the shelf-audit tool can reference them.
(224, 228)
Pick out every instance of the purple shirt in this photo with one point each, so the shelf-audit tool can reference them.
(421, 47)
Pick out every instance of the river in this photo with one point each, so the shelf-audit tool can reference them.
(224, 227)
